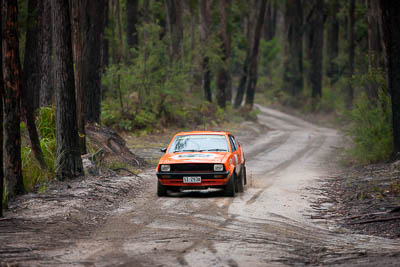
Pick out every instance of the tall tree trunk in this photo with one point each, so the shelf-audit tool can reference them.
(374, 46)
(316, 48)
(332, 41)
(12, 92)
(374, 35)
(92, 58)
(390, 21)
(350, 90)
(69, 162)
(106, 41)
(1, 113)
(120, 56)
(270, 20)
(253, 70)
(205, 9)
(223, 75)
(30, 75)
(131, 23)
(293, 56)
(79, 30)
(174, 10)
(45, 66)
(31, 79)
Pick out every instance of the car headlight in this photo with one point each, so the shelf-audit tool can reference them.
(218, 167)
(165, 168)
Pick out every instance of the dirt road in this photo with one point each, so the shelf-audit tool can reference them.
(267, 225)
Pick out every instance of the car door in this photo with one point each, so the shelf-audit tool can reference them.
(236, 153)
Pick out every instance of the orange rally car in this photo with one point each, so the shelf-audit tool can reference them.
(201, 160)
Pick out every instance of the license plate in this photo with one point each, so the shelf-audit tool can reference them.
(192, 179)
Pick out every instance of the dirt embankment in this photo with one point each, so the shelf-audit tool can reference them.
(364, 199)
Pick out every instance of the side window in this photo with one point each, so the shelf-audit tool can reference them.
(233, 143)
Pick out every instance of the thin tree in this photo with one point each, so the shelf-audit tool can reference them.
(293, 51)
(253, 69)
(205, 23)
(248, 79)
(1, 113)
(332, 41)
(316, 43)
(271, 18)
(79, 27)
(45, 66)
(223, 75)
(390, 21)
(174, 10)
(69, 162)
(31, 79)
(12, 92)
(374, 47)
(131, 24)
(350, 89)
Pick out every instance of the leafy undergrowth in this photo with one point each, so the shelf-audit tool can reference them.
(31, 171)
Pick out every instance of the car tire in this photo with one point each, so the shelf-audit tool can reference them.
(161, 190)
(230, 188)
(240, 181)
(244, 175)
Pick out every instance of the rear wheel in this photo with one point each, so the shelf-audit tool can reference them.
(230, 190)
(240, 181)
(161, 190)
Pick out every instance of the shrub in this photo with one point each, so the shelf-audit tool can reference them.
(371, 129)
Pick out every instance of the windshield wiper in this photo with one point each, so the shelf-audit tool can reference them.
(216, 149)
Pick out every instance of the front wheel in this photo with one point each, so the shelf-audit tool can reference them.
(230, 190)
(161, 190)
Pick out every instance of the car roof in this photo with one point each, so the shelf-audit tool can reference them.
(204, 132)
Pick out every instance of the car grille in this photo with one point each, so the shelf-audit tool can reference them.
(199, 167)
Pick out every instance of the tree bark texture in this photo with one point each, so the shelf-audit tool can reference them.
(45, 64)
(92, 58)
(253, 70)
(205, 23)
(332, 41)
(223, 75)
(293, 55)
(31, 79)
(174, 10)
(131, 23)
(390, 16)
(78, 35)
(31, 73)
(1, 113)
(12, 94)
(316, 44)
(69, 162)
(350, 90)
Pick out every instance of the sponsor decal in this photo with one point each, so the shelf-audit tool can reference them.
(193, 156)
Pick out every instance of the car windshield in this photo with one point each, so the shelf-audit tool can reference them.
(199, 143)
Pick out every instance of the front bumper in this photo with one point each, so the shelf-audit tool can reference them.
(208, 179)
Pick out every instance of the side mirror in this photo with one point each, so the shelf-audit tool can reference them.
(163, 150)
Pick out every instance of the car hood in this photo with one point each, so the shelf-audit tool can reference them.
(194, 157)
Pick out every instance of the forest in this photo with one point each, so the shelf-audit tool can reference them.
(142, 66)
